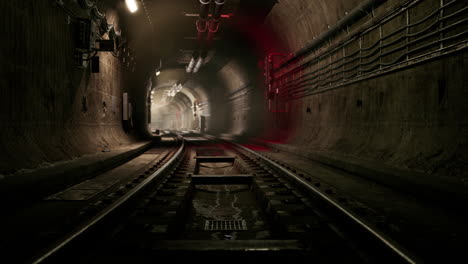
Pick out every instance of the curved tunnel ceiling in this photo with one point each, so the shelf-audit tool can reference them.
(167, 44)
(166, 35)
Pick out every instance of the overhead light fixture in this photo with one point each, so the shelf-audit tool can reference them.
(158, 70)
(131, 5)
(198, 65)
(191, 65)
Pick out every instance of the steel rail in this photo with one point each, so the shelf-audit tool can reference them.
(97, 218)
(381, 237)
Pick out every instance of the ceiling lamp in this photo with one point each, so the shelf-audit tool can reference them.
(158, 70)
(131, 5)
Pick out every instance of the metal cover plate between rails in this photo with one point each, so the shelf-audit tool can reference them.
(215, 158)
(222, 179)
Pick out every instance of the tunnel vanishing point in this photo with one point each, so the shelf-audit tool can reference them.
(361, 105)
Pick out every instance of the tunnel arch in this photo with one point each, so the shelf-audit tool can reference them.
(190, 97)
(404, 113)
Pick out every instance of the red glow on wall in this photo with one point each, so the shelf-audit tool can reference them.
(267, 45)
(226, 15)
(256, 147)
(262, 38)
(210, 15)
(268, 141)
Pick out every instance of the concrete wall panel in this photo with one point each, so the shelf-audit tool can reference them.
(410, 119)
(51, 110)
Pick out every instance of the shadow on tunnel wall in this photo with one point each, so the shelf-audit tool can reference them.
(51, 106)
(381, 93)
(355, 99)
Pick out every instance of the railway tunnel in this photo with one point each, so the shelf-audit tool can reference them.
(360, 105)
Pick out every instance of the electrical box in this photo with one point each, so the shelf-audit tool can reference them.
(95, 64)
(105, 45)
(82, 33)
(78, 59)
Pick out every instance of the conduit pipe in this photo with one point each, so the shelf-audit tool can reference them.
(192, 62)
(202, 27)
(199, 64)
(357, 13)
(214, 22)
(202, 22)
(191, 65)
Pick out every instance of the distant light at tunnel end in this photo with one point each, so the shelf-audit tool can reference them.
(158, 72)
(131, 5)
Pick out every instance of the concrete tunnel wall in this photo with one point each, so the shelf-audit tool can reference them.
(398, 119)
(50, 109)
(184, 116)
(412, 119)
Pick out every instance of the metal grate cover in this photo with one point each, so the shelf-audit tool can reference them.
(225, 225)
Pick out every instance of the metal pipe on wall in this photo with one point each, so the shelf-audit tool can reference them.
(192, 62)
(218, 8)
(202, 27)
(199, 64)
(204, 8)
(214, 22)
(357, 13)
(202, 22)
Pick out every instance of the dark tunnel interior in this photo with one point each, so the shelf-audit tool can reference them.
(368, 97)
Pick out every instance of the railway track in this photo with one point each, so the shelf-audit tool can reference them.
(212, 199)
